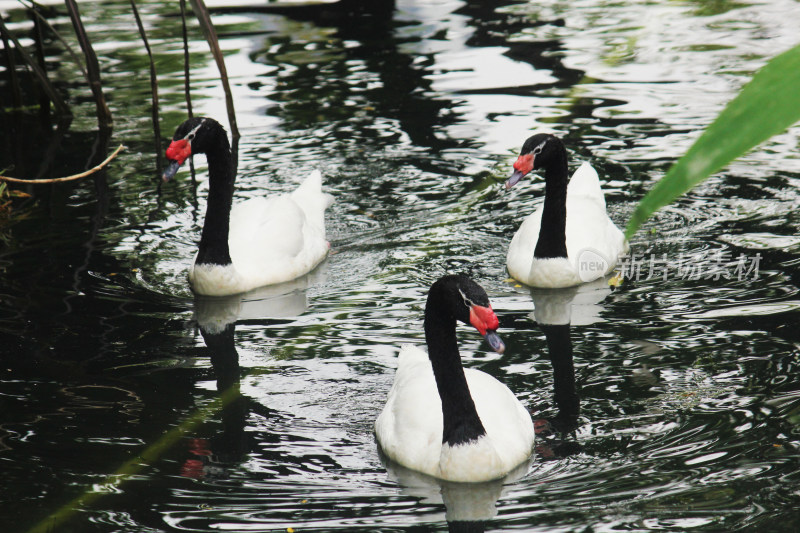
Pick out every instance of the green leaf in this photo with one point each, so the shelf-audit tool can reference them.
(766, 106)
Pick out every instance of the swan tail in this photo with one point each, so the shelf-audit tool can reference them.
(312, 200)
(585, 182)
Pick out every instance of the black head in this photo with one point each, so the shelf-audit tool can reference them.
(538, 151)
(197, 135)
(457, 297)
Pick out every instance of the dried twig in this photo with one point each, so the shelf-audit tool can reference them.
(204, 17)
(38, 39)
(186, 90)
(186, 60)
(67, 178)
(13, 79)
(34, 8)
(153, 86)
(92, 65)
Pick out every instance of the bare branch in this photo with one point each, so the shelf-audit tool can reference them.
(67, 178)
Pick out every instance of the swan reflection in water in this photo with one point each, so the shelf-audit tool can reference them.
(215, 313)
(468, 505)
(556, 311)
(216, 318)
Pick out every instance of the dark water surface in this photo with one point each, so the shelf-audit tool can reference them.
(669, 404)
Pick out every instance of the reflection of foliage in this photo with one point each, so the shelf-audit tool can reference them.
(622, 52)
(377, 87)
(707, 8)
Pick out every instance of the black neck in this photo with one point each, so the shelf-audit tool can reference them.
(552, 234)
(224, 357)
(559, 347)
(466, 526)
(460, 418)
(221, 176)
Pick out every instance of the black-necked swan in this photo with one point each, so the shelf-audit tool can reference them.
(445, 421)
(570, 239)
(258, 242)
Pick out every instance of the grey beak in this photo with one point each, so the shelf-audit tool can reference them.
(171, 170)
(495, 341)
(514, 179)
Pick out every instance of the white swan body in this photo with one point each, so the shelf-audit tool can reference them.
(589, 233)
(409, 429)
(272, 240)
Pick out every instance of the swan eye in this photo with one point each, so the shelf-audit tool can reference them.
(538, 149)
(190, 136)
(469, 303)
